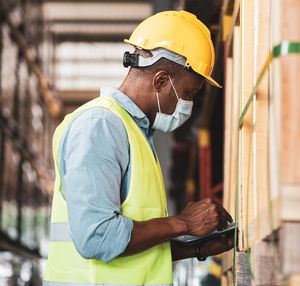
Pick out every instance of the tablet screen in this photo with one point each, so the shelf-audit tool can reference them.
(192, 240)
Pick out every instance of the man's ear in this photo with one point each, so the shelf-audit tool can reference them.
(160, 80)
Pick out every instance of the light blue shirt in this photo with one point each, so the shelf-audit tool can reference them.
(95, 167)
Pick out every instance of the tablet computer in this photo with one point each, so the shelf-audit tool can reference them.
(192, 240)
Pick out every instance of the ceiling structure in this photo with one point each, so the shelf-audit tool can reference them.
(86, 43)
(85, 40)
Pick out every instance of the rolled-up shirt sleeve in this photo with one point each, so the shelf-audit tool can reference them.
(95, 156)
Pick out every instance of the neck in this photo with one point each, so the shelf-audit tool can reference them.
(141, 94)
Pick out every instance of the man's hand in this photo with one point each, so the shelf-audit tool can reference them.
(197, 219)
(204, 217)
(217, 246)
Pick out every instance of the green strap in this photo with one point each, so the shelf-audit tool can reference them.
(284, 48)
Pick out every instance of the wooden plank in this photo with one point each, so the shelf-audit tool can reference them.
(294, 280)
(245, 142)
(290, 100)
(264, 262)
(234, 22)
(232, 117)
(290, 118)
(224, 280)
(234, 120)
(262, 204)
(229, 278)
(227, 259)
(274, 105)
(290, 202)
(263, 218)
(227, 133)
(267, 218)
(289, 248)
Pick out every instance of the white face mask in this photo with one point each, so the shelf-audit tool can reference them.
(170, 122)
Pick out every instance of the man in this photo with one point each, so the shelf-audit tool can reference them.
(109, 223)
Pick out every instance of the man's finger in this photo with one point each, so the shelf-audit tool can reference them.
(224, 213)
(223, 224)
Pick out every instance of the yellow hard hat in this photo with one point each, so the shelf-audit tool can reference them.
(182, 33)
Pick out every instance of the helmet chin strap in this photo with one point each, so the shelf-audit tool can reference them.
(139, 61)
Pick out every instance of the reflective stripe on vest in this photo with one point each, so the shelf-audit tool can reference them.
(49, 283)
(146, 199)
(59, 231)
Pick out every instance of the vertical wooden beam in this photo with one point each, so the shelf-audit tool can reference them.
(262, 207)
(290, 201)
(294, 280)
(232, 106)
(227, 259)
(265, 264)
(277, 104)
(290, 100)
(245, 142)
(274, 100)
(274, 136)
(290, 248)
(230, 278)
(289, 145)
(234, 120)
(224, 280)
(227, 133)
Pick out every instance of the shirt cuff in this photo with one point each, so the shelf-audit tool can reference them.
(116, 239)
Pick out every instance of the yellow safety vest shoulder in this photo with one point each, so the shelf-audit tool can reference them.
(146, 200)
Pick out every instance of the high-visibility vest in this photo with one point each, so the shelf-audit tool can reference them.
(146, 199)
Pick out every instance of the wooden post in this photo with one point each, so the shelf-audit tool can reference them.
(232, 98)
(289, 145)
(234, 119)
(268, 149)
(262, 209)
(228, 128)
(290, 248)
(245, 142)
(265, 264)
(294, 280)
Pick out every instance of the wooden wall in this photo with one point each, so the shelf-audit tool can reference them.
(261, 163)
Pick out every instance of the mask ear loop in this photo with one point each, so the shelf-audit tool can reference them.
(173, 87)
(158, 101)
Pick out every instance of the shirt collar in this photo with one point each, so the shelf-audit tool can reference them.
(138, 115)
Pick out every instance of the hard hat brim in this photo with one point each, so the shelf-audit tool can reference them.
(211, 81)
